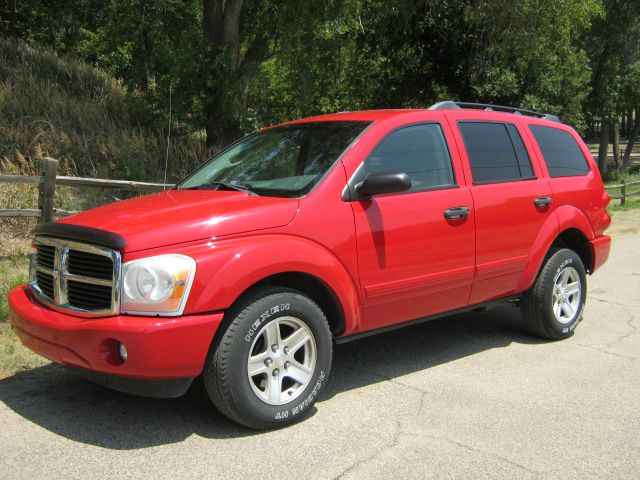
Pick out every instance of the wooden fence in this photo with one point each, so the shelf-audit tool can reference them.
(47, 182)
(624, 193)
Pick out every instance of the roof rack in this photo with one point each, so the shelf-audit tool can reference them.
(451, 105)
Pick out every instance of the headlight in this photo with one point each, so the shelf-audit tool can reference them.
(157, 285)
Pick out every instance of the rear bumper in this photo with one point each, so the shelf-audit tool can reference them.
(158, 348)
(600, 248)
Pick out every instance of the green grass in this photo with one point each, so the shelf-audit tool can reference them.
(13, 356)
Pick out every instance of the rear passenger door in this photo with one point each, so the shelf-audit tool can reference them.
(511, 203)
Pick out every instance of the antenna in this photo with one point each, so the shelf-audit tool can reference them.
(166, 158)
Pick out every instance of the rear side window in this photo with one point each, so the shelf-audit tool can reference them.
(420, 151)
(496, 152)
(560, 151)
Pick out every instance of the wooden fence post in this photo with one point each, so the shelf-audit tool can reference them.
(623, 191)
(47, 192)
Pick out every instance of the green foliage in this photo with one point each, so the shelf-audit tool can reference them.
(613, 47)
(576, 58)
(401, 54)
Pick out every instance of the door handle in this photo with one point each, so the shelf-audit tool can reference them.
(542, 201)
(456, 212)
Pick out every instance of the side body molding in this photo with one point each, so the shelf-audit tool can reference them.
(226, 268)
(564, 218)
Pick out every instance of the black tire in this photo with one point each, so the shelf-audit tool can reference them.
(225, 372)
(537, 303)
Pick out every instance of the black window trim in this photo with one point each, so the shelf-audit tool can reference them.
(515, 151)
(349, 193)
(586, 160)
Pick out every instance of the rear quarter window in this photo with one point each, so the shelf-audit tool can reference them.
(561, 153)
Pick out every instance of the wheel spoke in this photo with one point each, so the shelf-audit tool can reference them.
(568, 309)
(296, 340)
(273, 389)
(272, 333)
(564, 277)
(256, 364)
(557, 309)
(298, 372)
(572, 288)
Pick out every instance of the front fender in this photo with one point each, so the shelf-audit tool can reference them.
(563, 218)
(227, 268)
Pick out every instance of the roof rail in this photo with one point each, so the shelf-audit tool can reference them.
(451, 105)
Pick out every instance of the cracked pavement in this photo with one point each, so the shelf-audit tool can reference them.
(470, 396)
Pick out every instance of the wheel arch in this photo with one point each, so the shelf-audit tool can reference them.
(568, 227)
(279, 260)
(313, 287)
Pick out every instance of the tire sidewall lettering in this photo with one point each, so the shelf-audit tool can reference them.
(264, 317)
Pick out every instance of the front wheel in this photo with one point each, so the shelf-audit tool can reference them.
(270, 364)
(553, 307)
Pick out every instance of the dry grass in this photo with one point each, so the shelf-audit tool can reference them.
(69, 110)
(13, 271)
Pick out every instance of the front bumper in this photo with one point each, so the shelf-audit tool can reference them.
(600, 248)
(159, 348)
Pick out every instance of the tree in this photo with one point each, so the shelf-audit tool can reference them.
(395, 53)
(613, 45)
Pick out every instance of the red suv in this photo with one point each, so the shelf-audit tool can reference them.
(314, 232)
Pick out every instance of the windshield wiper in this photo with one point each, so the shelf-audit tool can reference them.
(223, 186)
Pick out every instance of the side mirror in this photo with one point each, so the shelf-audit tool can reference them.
(383, 182)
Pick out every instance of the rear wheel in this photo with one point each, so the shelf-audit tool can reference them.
(553, 307)
(272, 361)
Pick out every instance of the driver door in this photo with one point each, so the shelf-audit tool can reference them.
(413, 261)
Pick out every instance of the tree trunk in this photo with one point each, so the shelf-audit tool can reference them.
(145, 45)
(603, 148)
(632, 139)
(13, 18)
(222, 36)
(212, 22)
(616, 144)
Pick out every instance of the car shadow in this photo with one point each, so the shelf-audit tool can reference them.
(63, 403)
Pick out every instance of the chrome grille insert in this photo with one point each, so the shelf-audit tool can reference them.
(76, 277)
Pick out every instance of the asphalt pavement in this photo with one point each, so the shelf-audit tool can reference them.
(470, 396)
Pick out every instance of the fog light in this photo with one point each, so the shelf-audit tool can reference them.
(122, 350)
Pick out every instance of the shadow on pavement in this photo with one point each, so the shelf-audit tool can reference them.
(60, 401)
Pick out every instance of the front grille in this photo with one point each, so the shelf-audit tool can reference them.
(45, 282)
(46, 255)
(90, 265)
(88, 296)
(75, 276)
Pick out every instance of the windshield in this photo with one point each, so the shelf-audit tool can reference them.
(285, 161)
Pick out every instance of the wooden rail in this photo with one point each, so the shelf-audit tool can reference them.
(623, 191)
(48, 180)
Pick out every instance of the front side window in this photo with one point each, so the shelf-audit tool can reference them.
(420, 151)
(286, 161)
(560, 151)
(496, 152)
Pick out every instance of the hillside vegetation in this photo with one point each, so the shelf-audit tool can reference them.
(67, 109)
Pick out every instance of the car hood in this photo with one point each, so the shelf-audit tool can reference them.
(177, 216)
